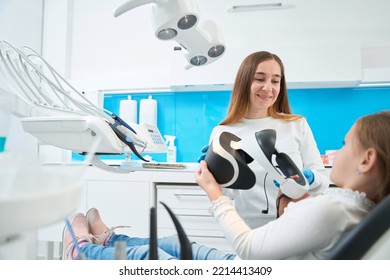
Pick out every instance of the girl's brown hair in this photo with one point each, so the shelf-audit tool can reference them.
(373, 131)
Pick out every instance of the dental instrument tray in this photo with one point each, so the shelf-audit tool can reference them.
(160, 165)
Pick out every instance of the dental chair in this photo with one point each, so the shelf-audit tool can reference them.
(370, 239)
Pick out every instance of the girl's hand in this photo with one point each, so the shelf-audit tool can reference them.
(207, 182)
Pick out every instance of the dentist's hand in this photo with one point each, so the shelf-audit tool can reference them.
(207, 182)
(203, 155)
(276, 183)
(283, 201)
(309, 175)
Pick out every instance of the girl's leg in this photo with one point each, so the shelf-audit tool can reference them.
(171, 245)
(130, 241)
(99, 252)
(138, 248)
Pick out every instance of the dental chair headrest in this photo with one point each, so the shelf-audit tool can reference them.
(229, 166)
(228, 157)
(266, 139)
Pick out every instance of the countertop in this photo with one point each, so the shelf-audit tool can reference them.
(135, 172)
(137, 166)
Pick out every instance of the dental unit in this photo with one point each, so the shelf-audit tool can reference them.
(56, 113)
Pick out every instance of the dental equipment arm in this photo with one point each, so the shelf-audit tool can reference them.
(129, 5)
(56, 113)
(228, 157)
(178, 20)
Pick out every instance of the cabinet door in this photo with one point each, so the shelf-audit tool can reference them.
(122, 203)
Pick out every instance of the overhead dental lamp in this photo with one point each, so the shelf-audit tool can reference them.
(228, 157)
(179, 20)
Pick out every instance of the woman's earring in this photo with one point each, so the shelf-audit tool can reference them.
(358, 172)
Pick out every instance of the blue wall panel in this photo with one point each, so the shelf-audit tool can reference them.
(190, 116)
(331, 112)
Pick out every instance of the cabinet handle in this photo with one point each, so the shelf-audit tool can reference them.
(206, 236)
(192, 215)
(189, 194)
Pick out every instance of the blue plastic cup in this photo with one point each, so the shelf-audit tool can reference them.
(6, 102)
(2, 143)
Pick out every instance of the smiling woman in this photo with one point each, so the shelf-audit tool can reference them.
(265, 89)
(264, 64)
(259, 101)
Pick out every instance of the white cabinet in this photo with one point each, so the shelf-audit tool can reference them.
(376, 65)
(121, 203)
(122, 199)
(190, 205)
(309, 66)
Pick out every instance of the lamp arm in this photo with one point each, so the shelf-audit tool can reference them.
(129, 5)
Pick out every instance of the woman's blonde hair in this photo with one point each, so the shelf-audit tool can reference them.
(373, 131)
(240, 98)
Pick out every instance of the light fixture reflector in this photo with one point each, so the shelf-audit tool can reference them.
(216, 51)
(198, 60)
(187, 22)
(166, 34)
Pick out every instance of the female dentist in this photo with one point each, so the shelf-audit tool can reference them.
(259, 101)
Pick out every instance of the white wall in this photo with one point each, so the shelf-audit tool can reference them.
(320, 41)
(102, 51)
(21, 24)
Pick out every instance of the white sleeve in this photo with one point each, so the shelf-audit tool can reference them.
(312, 160)
(302, 229)
(215, 130)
